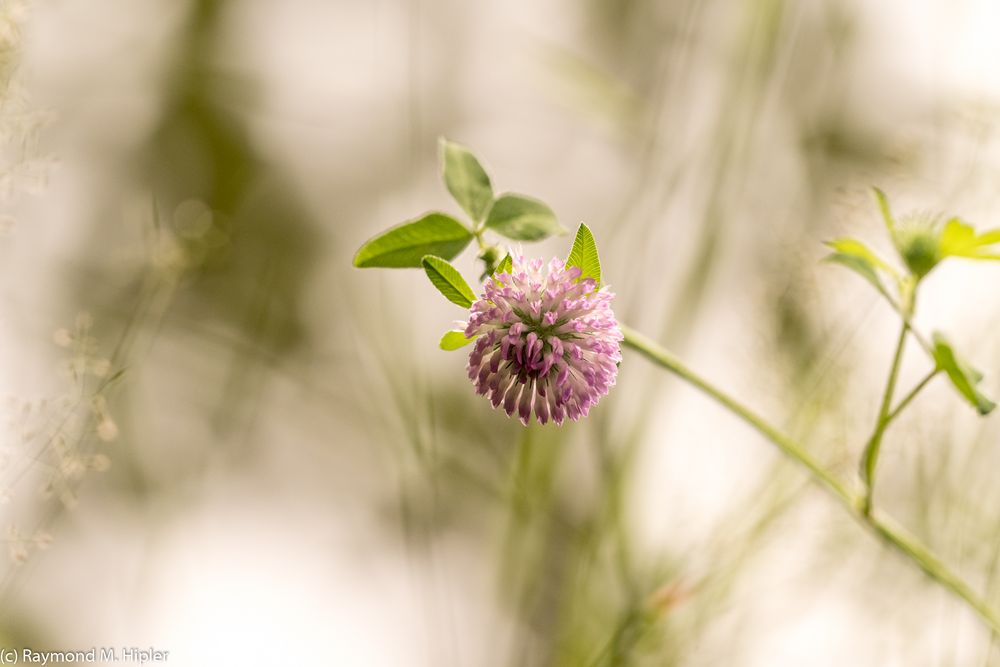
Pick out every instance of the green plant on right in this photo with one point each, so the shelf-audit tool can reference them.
(922, 243)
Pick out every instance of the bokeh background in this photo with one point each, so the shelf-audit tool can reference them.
(223, 441)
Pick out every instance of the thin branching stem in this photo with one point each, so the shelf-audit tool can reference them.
(903, 404)
(880, 524)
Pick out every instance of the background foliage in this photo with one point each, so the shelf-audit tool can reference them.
(292, 457)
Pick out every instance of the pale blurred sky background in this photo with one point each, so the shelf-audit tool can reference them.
(301, 476)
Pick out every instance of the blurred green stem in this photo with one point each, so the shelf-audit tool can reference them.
(663, 358)
(891, 533)
(913, 394)
(870, 457)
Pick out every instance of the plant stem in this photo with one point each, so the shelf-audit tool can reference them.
(912, 395)
(883, 526)
(870, 457)
(907, 316)
(662, 357)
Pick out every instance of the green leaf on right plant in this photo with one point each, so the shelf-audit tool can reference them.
(964, 378)
(403, 246)
(583, 254)
(454, 339)
(859, 258)
(449, 281)
(466, 179)
(883, 207)
(959, 239)
(522, 218)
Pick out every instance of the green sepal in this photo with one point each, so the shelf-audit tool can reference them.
(584, 255)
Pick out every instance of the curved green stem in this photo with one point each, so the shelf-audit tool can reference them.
(870, 457)
(663, 358)
(892, 534)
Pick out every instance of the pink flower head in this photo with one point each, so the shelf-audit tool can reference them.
(548, 341)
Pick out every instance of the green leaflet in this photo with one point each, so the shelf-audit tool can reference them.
(522, 218)
(883, 207)
(959, 239)
(403, 246)
(859, 258)
(962, 376)
(466, 179)
(860, 267)
(505, 266)
(856, 248)
(449, 281)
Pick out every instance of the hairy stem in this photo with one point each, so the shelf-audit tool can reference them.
(870, 457)
(883, 526)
